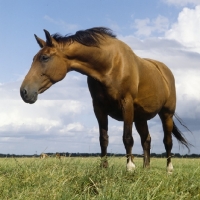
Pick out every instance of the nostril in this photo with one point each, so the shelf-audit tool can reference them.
(23, 92)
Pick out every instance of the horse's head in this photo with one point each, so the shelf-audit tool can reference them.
(49, 66)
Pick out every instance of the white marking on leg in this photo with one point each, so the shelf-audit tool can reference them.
(170, 168)
(130, 165)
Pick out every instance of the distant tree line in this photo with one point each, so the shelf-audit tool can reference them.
(67, 154)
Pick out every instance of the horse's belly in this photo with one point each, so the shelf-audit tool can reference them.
(140, 113)
(146, 112)
(143, 115)
(116, 115)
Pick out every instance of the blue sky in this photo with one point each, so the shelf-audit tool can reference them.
(62, 119)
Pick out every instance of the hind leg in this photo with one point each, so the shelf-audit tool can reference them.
(142, 129)
(167, 123)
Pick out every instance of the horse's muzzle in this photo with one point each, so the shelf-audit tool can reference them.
(28, 96)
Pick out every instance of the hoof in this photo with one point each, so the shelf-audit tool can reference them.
(147, 167)
(170, 168)
(104, 163)
(130, 167)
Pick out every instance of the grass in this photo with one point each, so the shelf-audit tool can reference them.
(82, 178)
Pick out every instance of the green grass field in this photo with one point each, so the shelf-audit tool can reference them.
(82, 178)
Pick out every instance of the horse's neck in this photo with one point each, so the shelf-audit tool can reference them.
(91, 61)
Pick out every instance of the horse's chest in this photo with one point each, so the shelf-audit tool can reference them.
(106, 98)
(108, 103)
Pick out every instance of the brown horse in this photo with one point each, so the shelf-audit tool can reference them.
(43, 155)
(122, 85)
(58, 155)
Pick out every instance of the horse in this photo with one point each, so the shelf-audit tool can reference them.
(122, 85)
(58, 155)
(43, 155)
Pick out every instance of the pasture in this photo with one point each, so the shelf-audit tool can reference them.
(82, 178)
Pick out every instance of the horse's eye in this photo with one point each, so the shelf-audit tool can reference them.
(44, 58)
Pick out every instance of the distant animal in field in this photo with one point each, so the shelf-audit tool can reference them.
(122, 85)
(58, 155)
(43, 155)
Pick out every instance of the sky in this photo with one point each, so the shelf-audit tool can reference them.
(62, 120)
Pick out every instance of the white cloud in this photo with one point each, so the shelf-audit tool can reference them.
(182, 2)
(146, 27)
(186, 29)
(47, 114)
(43, 116)
(73, 127)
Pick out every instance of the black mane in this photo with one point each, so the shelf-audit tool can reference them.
(89, 37)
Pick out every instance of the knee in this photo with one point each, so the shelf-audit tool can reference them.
(128, 140)
(148, 140)
(147, 144)
(103, 140)
(103, 137)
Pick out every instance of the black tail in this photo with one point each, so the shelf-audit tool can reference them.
(179, 135)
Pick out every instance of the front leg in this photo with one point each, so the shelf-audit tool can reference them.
(102, 119)
(127, 108)
(103, 138)
(142, 129)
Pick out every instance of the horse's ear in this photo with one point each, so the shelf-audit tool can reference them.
(50, 41)
(41, 42)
